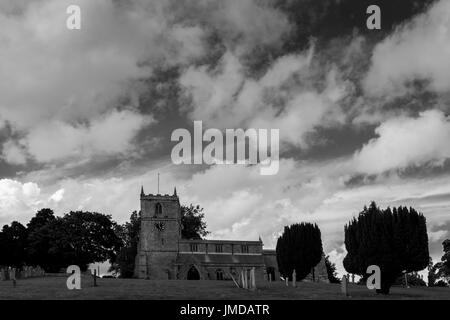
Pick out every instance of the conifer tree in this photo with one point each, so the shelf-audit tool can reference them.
(395, 240)
(299, 248)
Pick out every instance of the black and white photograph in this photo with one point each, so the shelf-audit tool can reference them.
(224, 153)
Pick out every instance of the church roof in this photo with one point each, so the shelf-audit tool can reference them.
(220, 241)
(221, 259)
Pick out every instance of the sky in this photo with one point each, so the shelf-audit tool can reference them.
(86, 115)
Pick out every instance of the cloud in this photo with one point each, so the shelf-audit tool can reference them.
(285, 97)
(18, 200)
(435, 236)
(111, 134)
(57, 196)
(248, 24)
(13, 153)
(402, 142)
(417, 50)
(240, 25)
(64, 87)
(337, 256)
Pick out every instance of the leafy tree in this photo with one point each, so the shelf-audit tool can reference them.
(331, 271)
(439, 274)
(42, 218)
(192, 221)
(446, 257)
(76, 238)
(431, 273)
(395, 240)
(87, 237)
(413, 278)
(299, 248)
(38, 241)
(441, 283)
(129, 233)
(13, 241)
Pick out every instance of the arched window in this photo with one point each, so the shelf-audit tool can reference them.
(158, 208)
(219, 274)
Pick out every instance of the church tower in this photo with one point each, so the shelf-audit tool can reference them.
(159, 236)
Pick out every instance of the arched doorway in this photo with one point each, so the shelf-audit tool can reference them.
(219, 274)
(193, 274)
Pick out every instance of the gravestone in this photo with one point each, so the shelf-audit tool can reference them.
(244, 279)
(344, 286)
(294, 279)
(95, 277)
(12, 275)
(252, 279)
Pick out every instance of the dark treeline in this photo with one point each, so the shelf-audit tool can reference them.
(81, 238)
(54, 243)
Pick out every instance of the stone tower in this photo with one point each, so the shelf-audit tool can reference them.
(159, 236)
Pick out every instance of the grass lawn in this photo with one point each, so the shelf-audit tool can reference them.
(55, 288)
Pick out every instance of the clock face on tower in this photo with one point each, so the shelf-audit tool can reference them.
(160, 226)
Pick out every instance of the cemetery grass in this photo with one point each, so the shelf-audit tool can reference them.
(54, 288)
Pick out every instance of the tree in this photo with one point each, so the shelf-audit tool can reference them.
(13, 241)
(76, 238)
(42, 218)
(395, 240)
(299, 248)
(439, 274)
(413, 279)
(38, 241)
(446, 257)
(87, 237)
(129, 234)
(331, 271)
(431, 273)
(193, 224)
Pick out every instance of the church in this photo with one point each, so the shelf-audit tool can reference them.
(163, 254)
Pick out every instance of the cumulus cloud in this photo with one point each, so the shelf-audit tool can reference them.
(13, 153)
(64, 86)
(109, 135)
(436, 236)
(18, 200)
(78, 74)
(417, 50)
(248, 24)
(57, 196)
(241, 25)
(402, 142)
(282, 98)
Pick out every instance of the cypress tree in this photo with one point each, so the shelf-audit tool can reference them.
(299, 248)
(395, 240)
